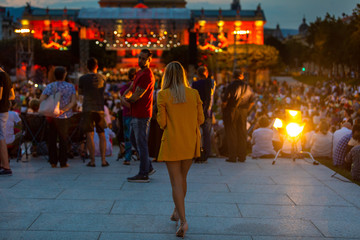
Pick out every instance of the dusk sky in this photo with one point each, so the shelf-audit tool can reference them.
(287, 13)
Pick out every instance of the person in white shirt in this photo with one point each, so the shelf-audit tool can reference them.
(262, 140)
(308, 133)
(338, 134)
(321, 142)
(12, 140)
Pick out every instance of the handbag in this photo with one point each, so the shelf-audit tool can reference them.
(50, 107)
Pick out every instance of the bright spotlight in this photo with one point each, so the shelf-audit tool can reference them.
(293, 116)
(278, 123)
(294, 129)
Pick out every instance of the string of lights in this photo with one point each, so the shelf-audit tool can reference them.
(151, 40)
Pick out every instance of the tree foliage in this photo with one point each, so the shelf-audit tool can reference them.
(335, 42)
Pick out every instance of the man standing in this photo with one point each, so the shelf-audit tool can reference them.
(237, 99)
(141, 110)
(92, 86)
(6, 94)
(206, 87)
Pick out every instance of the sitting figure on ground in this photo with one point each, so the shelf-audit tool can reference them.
(262, 140)
(13, 133)
(343, 147)
(353, 158)
(321, 142)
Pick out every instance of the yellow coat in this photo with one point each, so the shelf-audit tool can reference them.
(181, 139)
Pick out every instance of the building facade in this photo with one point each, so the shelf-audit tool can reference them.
(127, 26)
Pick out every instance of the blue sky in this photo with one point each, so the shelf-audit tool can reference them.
(287, 13)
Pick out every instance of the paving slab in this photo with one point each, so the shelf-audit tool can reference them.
(254, 200)
(194, 209)
(301, 212)
(24, 193)
(319, 199)
(46, 235)
(17, 221)
(56, 206)
(190, 236)
(338, 229)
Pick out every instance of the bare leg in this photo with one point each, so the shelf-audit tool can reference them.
(177, 172)
(102, 141)
(185, 167)
(4, 155)
(91, 146)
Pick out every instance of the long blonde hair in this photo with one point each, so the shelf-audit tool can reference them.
(175, 79)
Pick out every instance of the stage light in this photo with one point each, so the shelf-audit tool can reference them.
(293, 115)
(294, 129)
(24, 22)
(202, 23)
(278, 123)
(22, 30)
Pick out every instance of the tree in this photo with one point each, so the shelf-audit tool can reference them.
(354, 41)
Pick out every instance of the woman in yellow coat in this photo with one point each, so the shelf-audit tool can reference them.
(180, 114)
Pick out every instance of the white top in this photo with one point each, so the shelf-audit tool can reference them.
(288, 145)
(338, 134)
(107, 115)
(109, 134)
(321, 145)
(262, 140)
(11, 122)
(308, 137)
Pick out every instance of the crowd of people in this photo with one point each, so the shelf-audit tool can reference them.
(165, 119)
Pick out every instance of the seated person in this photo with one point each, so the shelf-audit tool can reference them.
(343, 147)
(289, 146)
(321, 142)
(262, 140)
(276, 140)
(308, 133)
(34, 106)
(13, 133)
(217, 138)
(353, 158)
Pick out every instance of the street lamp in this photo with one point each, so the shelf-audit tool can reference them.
(236, 33)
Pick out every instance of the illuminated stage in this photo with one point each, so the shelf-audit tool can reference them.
(127, 26)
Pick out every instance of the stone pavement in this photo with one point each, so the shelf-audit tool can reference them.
(226, 201)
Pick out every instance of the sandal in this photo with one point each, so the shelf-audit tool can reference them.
(105, 164)
(90, 164)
